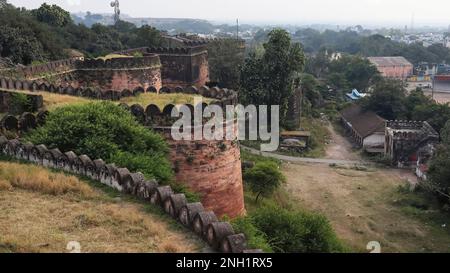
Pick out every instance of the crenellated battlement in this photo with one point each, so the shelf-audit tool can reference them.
(147, 61)
(194, 216)
(32, 71)
(405, 129)
(405, 138)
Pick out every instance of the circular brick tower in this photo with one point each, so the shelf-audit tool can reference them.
(212, 169)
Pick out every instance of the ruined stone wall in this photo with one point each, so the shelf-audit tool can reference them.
(120, 73)
(38, 71)
(405, 138)
(184, 68)
(219, 235)
(180, 66)
(6, 102)
(113, 74)
(115, 79)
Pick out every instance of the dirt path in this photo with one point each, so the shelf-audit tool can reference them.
(295, 159)
(339, 147)
(361, 207)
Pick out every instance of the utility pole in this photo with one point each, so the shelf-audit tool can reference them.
(433, 83)
(237, 29)
(115, 5)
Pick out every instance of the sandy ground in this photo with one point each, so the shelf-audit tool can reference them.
(339, 147)
(42, 211)
(440, 97)
(361, 207)
(361, 204)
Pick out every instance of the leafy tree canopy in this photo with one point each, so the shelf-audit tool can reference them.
(52, 15)
(264, 178)
(268, 80)
(45, 33)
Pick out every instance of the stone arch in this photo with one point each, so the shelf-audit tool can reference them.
(18, 85)
(152, 89)
(41, 117)
(214, 92)
(179, 89)
(204, 91)
(191, 90)
(138, 112)
(43, 87)
(126, 93)
(10, 123)
(138, 90)
(164, 90)
(124, 106)
(167, 111)
(27, 122)
(3, 83)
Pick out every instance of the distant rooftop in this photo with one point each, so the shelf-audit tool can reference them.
(363, 122)
(389, 61)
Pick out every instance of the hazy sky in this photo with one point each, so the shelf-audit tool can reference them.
(398, 12)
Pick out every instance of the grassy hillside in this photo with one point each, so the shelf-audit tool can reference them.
(42, 211)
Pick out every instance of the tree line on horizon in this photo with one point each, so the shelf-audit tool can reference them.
(49, 33)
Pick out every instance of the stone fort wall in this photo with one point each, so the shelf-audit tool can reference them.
(112, 74)
(158, 67)
(205, 223)
(184, 66)
(210, 168)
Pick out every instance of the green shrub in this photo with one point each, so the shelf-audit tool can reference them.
(20, 103)
(264, 178)
(296, 232)
(154, 165)
(105, 130)
(138, 54)
(256, 239)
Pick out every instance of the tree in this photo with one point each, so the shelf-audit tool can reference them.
(445, 134)
(435, 114)
(318, 64)
(296, 232)
(386, 99)
(357, 71)
(52, 15)
(264, 178)
(439, 172)
(145, 36)
(18, 45)
(225, 58)
(268, 80)
(3, 4)
(44, 34)
(310, 88)
(414, 99)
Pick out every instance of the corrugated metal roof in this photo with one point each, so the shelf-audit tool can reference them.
(389, 61)
(364, 123)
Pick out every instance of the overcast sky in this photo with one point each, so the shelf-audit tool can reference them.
(398, 12)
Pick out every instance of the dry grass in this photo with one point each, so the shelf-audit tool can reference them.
(112, 56)
(361, 206)
(162, 100)
(37, 179)
(53, 100)
(33, 221)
